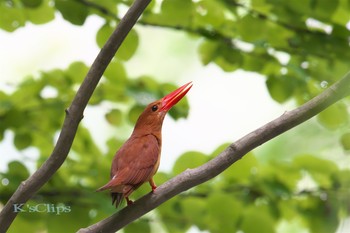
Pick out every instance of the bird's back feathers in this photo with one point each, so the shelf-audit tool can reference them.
(134, 164)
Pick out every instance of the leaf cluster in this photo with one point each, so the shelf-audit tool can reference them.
(298, 47)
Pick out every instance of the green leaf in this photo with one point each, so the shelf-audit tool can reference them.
(134, 113)
(211, 14)
(72, 11)
(195, 209)
(17, 170)
(324, 9)
(112, 92)
(14, 118)
(31, 3)
(103, 34)
(223, 210)
(288, 175)
(321, 216)
(334, 116)
(59, 80)
(141, 225)
(77, 71)
(171, 216)
(41, 14)
(252, 29)
(296, 6)
(11, 18)
(280, 88)
(176, 12)
(208, 51)
(345, 141)
(25, 223)
(262, 6)
(129, 46)
(242, 170)
(85, 145)
(23, 140)
(114, 117)
(146, 83)
(5, 103)
(321, 170)
(191, 159)
(116, 73)
(27, 95)
(314, 164)
(54, 221)
(144, 90)
(161, 177)
(262, 220)
(110, 5)
(228, 58)
(343, 179)
(341, 15)
(220, 149)
(252, 64)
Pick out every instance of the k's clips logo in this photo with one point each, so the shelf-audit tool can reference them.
(41, 208)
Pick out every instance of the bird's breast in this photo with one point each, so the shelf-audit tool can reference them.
(137, 160)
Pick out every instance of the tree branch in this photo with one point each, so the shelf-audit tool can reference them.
(201, 174)
(74, 114)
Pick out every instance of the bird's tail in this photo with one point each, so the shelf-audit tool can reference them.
(103, 188)
(109, 185)
(117, 199)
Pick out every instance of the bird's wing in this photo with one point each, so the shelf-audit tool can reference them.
(137, 161)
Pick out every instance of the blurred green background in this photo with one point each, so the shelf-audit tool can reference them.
(249, 61)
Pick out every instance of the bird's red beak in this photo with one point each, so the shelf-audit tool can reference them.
(171, 99)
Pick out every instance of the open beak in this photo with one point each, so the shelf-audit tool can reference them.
(171, 99)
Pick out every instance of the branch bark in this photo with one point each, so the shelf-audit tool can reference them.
(74, 114)
(201, 174)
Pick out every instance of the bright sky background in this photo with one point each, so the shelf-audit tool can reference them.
(223, 106)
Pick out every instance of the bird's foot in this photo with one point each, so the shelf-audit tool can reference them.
(153, 185)
(154, 188)
(128, 201)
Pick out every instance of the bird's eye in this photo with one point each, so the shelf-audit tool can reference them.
(154, 108)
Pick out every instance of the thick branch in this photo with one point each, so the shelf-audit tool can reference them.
(194, 177)
(74, 114)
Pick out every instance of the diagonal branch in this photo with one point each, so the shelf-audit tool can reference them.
(74, 114)
(196, 176)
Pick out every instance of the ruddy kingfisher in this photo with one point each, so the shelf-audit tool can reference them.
(138, 158)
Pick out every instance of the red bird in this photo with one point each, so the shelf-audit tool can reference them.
(138, 159)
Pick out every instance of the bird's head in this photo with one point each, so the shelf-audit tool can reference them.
(151, 119)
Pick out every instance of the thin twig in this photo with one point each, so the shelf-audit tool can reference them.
(199, 175)
(74, 114)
